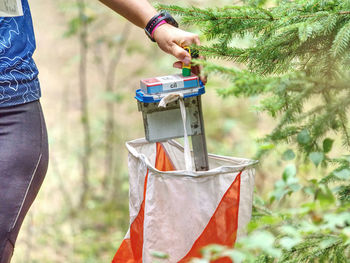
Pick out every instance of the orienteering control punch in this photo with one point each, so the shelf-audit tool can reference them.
(186, 69)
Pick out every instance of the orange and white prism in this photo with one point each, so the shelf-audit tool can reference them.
(177, 212)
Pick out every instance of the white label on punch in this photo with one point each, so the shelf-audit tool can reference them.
(11, 8)
(171, 82)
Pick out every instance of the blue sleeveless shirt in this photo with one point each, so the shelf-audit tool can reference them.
(19, 82)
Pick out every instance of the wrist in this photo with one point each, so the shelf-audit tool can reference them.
(157, 26)
(161, 31)
(157, 21)
(147, 17)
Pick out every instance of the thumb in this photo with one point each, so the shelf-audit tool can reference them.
(180, 54)
(177, 64)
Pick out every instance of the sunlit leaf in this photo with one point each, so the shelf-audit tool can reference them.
(236, 256)
(288, 155)
(325, 196)
(337, 220)
(330, 241)
(316, 157)
(304, 137)
(327, 145)
(214, 248)
(289, 242)
(289, 171)
(267, 146)
(289, 230)
(343, 174)
(158, 254)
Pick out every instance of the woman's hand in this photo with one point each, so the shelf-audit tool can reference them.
(169, 38)
(172, 40)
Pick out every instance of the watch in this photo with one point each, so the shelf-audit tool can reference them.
(156, 20)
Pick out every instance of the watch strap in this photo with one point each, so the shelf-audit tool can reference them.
(154, 22)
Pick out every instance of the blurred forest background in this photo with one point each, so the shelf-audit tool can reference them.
(90, 61)
(81, 214)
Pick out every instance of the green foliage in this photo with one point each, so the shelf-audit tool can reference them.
(75, 23)
(159, 255)
(327, 145)
(288, 62)
(288, 155)
(298, 65)
(287, 185)
(316, 157)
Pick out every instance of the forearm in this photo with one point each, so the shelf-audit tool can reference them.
(139, 12)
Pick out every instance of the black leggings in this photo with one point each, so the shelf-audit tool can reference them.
(23, 165)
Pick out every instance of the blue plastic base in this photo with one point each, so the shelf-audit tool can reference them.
(152, 98)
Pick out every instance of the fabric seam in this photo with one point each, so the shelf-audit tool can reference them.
(25, 196)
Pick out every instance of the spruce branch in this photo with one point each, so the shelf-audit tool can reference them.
(341, 40)
(298, 64)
